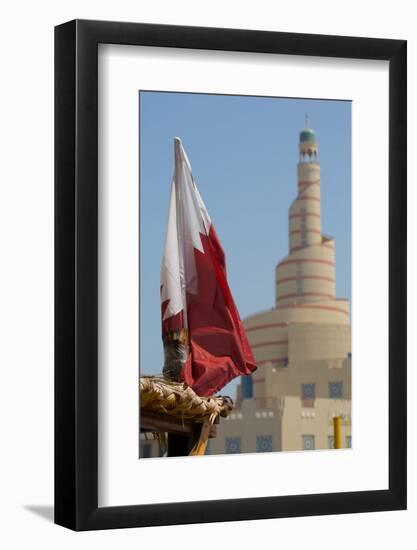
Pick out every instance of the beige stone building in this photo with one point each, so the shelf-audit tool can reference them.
(302, 346)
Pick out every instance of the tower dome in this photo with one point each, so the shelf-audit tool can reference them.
(308, 146)
(308, 135)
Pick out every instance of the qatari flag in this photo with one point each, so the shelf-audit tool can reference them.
(201, 328)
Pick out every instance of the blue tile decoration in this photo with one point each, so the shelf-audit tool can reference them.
(308, 391)
(309, 443)
(264, 443)
(335, 390)
(232, 445)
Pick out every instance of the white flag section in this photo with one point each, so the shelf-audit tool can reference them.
(195, 295)
(187, 220)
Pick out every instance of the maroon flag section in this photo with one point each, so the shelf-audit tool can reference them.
(201, 326)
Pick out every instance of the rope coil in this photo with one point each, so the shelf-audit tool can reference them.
(179, 400)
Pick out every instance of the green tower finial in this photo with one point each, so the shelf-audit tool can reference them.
(307, 134)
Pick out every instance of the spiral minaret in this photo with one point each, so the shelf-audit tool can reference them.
(307, 274)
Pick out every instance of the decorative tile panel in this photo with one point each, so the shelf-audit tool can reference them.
(264, 443)
(308, 391)
(336, 390)
(232, 445)
(309, 443)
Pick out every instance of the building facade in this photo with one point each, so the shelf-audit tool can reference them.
(302, 346)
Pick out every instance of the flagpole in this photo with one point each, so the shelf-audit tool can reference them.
(180, 218)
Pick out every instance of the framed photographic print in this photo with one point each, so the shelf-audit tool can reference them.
(230, 275)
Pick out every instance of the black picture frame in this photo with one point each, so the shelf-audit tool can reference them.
(76, 272)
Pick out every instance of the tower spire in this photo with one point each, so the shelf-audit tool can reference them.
(307, 274)
(308, 146)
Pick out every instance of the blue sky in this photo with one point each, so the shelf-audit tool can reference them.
(244, 154)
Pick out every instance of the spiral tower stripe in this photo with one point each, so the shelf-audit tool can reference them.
(307, 274)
